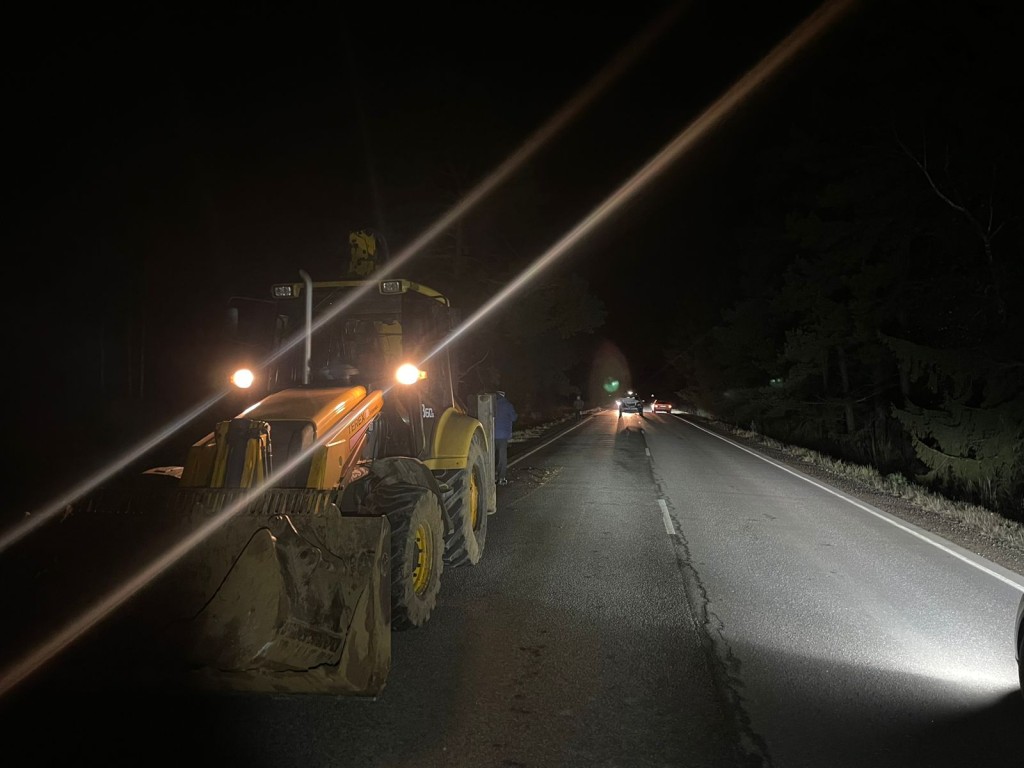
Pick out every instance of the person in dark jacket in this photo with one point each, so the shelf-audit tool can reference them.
(504, 416)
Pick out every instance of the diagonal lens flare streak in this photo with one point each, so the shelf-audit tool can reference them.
(785, 51)
(60, 504)
(604, 79)
(781, 54)
(25, 667)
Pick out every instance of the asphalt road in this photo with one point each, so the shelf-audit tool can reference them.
(651, 595)
(851, 638)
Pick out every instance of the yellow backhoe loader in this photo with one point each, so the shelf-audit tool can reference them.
(296, 536)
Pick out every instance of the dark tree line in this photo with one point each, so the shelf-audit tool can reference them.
(883, 320)
(877, 314)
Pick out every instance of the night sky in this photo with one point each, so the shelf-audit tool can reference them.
(189, 151)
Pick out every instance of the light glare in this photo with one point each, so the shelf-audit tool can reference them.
(407, 374)
(243, 378)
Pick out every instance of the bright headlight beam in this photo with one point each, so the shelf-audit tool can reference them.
(606, 77)
(824, 17)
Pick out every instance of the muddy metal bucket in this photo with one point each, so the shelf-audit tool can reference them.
(283, 594)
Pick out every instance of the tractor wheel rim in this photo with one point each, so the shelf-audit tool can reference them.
(424, 558)
(474, 499)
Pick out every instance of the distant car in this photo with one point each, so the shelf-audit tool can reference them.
(1020, 643)
(661, 406)
(630, 402)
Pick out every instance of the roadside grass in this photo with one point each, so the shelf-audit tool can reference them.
(973, 516)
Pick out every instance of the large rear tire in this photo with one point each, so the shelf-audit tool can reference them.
(466, 503)
(417, 551)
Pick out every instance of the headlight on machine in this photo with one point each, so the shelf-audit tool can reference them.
(243, 378)
(409, 374)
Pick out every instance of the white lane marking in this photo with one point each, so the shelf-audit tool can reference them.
(669, 528)
(1008, 577)
(546, 443)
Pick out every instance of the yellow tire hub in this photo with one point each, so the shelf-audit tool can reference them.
(474, 499)
(424, 559)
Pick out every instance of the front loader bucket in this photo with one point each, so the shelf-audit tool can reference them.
(285, 595)
(296, 613)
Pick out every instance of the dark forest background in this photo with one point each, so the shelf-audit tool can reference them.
(857, 289)
(880, 319)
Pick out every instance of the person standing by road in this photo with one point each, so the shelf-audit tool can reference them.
(577, 406)
(504, 416)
